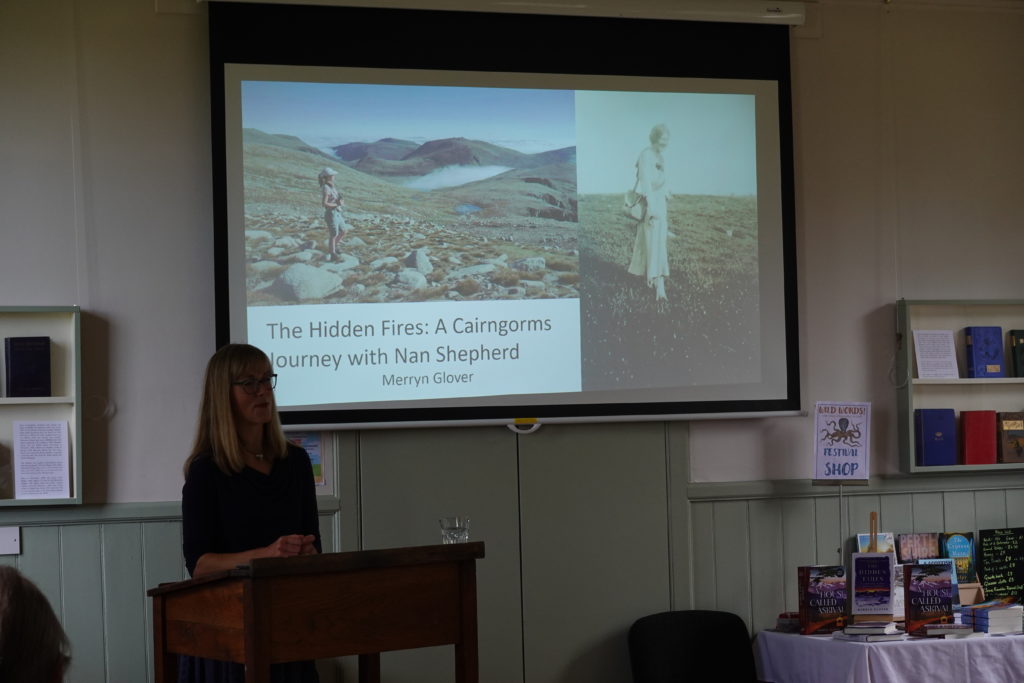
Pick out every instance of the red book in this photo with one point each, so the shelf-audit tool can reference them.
(978, 437)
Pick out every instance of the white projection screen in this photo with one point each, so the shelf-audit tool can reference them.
(484, 269)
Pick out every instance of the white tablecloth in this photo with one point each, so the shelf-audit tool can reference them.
(791, 658)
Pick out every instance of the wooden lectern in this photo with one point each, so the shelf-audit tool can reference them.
(318, 606)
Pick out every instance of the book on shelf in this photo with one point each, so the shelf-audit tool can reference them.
(983, 345)
(868, 637)
(822, 598)
(978, 437)
(928, 596)
(27, 362)
(1016, 352)
(911, 547)
(935, 436)
(871, 583)
(1010, 436)
(959, 547)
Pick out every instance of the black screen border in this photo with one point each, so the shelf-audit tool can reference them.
(307, 35)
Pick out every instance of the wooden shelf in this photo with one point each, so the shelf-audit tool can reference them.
(63, 325)
(30, 400)
(964, 393)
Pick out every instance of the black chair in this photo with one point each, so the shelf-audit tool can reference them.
(691, 645)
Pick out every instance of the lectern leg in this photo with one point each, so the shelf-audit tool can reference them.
(165, 664)
(467, 669)
(369, 668)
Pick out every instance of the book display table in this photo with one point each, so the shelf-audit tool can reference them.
(792, 658)
(319, 606)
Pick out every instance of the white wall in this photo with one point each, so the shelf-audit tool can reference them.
(909, 167)
(908, 158)
(105, 202)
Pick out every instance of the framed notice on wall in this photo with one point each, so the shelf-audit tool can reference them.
(842, 437)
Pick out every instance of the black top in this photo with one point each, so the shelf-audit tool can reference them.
(223, 513)
(232, 513)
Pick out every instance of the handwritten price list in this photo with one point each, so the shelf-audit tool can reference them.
(1002, 561)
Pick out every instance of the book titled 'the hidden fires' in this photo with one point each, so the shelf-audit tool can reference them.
(871, 574)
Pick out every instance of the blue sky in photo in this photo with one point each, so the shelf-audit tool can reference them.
(329, 114)
(712, 148)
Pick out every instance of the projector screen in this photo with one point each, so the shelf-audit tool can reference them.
(480, 264)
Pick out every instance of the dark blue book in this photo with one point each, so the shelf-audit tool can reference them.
(28, 366)
(984, 347)
(935, 436)
(1016, 352)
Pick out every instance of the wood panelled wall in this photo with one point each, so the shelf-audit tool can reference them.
(587, 528)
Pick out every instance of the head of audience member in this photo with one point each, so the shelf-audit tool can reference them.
(33, 647)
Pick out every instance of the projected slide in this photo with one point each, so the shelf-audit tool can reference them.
(422, 242)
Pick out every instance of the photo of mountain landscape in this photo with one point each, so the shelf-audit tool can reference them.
(511, 235)
(442, 219)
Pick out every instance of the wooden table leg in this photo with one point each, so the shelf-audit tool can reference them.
(369, 668)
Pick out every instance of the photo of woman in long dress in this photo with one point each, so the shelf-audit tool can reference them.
(650, 248)
(669, 282)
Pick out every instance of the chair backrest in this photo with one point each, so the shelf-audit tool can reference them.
(691, 645)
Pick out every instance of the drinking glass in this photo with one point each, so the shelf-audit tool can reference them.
(454, 530)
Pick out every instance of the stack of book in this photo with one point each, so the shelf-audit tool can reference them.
(788, 622)
(994, 616)
(950, 631)
(870, 632)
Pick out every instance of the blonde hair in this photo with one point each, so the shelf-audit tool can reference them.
(658, 132)
(216, 432)
(324, 175)
(33, 646)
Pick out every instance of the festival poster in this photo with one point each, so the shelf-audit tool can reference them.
(842, 438)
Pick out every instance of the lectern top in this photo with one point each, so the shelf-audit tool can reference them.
(337, 562)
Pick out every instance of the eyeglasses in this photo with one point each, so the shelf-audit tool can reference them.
(251, 386)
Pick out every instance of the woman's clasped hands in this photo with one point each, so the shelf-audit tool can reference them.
(291, 545)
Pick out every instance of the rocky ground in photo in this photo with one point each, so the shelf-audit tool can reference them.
(707, 330)
(389, 258)
(512, 236)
